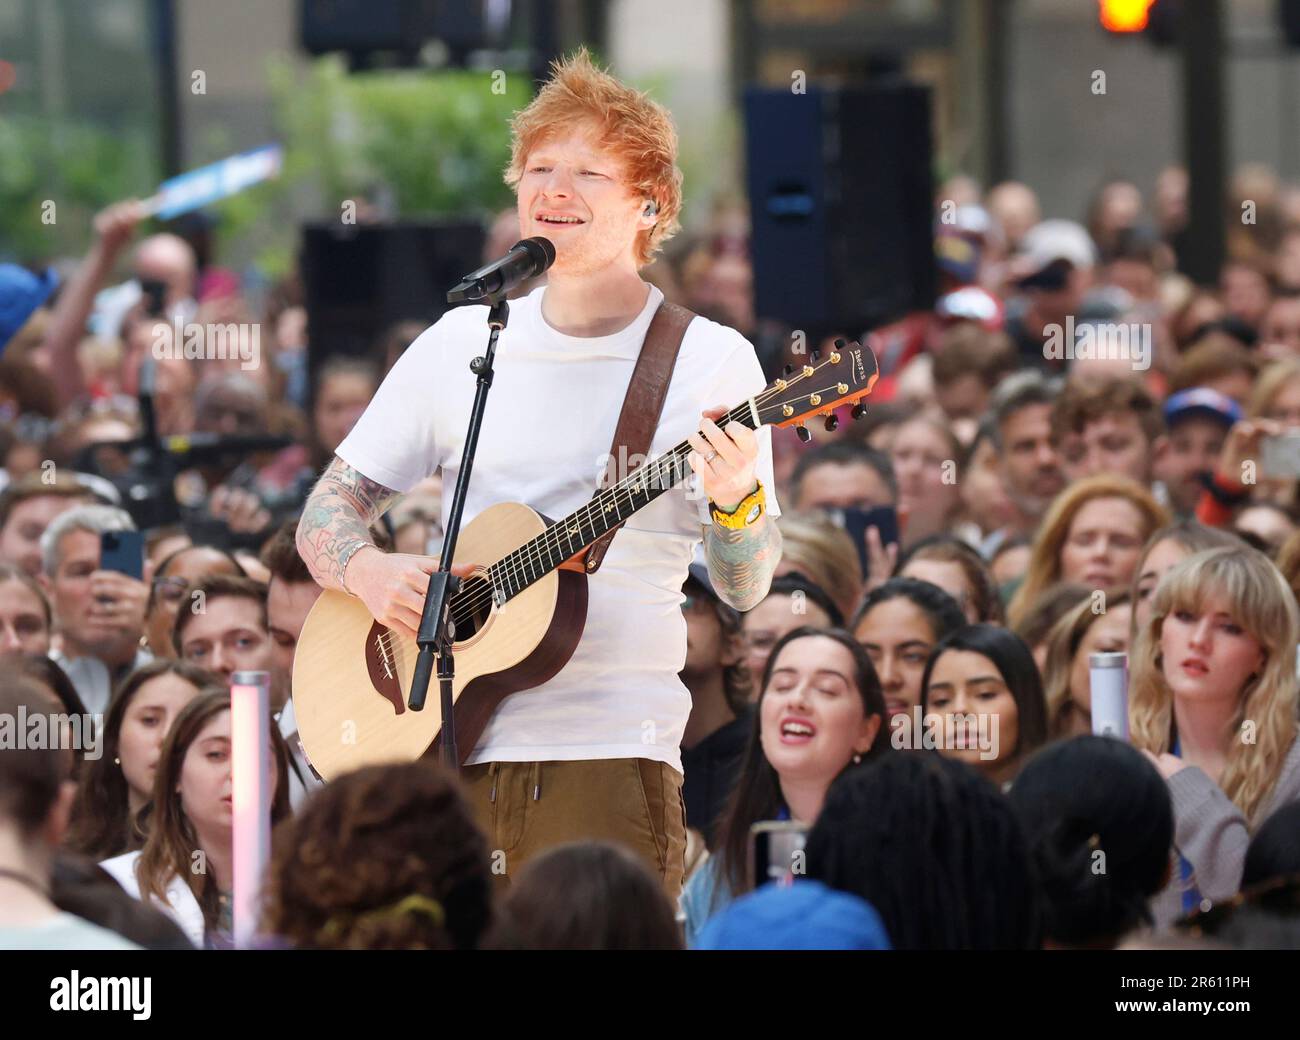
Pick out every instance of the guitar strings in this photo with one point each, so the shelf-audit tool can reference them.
(518, 564)
(514, 565)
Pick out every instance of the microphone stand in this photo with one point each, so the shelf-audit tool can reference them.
(437, 630)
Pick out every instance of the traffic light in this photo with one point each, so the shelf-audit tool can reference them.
(1124, 16)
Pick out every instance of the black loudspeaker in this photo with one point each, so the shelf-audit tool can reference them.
(841, 201)
(366, 25)
(360, 279)
(361, 26)
(1288, 16)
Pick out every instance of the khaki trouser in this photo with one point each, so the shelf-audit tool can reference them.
(525, 808)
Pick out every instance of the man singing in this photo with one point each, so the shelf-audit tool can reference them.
(594, 752)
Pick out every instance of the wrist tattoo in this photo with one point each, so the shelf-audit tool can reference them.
(336, 520)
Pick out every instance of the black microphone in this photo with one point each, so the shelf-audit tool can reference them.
(526, 259)
(197, 448)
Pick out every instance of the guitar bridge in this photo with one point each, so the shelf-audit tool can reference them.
(381, 665)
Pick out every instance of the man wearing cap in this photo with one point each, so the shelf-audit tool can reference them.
(22, 295)
(1197, 424)
(1054, 269)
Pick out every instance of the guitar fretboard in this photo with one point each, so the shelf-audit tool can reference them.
(607, 509)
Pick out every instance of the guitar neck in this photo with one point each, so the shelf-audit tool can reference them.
(607, 509)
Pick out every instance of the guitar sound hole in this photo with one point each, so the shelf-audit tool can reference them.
(471, 607)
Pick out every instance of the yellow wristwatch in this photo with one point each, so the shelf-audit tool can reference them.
(747, 510)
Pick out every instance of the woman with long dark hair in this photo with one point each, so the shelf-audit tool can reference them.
(820, 712)
(185, 868)
(982, 700)
(116, 786)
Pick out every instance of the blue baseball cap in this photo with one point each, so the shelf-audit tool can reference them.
(805, 915)
(21, 292)
(1202, 401)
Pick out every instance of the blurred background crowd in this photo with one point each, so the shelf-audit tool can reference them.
(1085, 438)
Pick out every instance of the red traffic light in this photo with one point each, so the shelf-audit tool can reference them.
(1124, 16)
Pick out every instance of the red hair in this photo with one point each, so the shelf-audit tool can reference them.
(636, 130)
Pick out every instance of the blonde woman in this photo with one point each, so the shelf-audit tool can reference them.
(1276, 394)
(1092, 534)
(1212, 701)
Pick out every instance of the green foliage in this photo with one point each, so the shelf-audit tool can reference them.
(416, 144)
(80, 167)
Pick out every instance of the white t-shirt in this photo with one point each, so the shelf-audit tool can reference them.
(550, 419)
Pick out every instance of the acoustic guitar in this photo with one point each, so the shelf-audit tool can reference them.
(519, 620)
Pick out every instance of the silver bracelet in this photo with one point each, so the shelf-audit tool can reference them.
(345, 557)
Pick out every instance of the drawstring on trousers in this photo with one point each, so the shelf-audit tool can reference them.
(534, 778)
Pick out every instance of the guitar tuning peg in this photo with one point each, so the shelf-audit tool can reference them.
(839, 343)
(787, 370)
(804, 433)
(859, 410)
(816, 356)
(832, 422)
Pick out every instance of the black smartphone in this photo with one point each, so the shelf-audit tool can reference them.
(123, 552)
(856, 521)
(154, 293)
(776, 850)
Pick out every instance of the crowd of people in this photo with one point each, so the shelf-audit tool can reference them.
(912, 698)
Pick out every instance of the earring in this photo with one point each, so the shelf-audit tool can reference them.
(857, 758)
(117, 761)
(651, 209)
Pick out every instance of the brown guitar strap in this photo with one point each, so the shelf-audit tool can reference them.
(644, 403)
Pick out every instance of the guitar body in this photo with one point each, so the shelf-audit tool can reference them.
(352, 677)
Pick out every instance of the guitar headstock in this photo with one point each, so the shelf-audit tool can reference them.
(845, 375)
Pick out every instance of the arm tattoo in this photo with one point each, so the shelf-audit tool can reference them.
(338, 512)
(741, 563)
